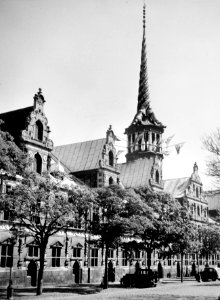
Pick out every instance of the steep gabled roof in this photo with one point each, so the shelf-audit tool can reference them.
(176, 186)
(136, 173)
(80, 156)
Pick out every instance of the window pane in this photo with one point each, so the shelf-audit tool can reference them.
(9, 262)
(10, 250)
(36, 251)
(30, 251)
(3, 260)
(4, 250)
(53, 252)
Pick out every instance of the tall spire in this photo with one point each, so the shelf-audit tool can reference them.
(144, 113)
(143, 92)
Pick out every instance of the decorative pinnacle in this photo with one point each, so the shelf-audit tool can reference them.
(39, 95)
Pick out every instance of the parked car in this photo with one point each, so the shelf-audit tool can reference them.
(210, 273)
(141, 279)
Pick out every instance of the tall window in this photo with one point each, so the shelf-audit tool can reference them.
(111, 253)
(110, 180)
(33, 250)
(197, 192)
(95, 215)
(39, 130)
(6, 255)
(77, 251)
(124, 258)
(137, 254)
(6, 213)
(186, 259)
(37, 163)
(153, 138)
(157, 177)
(56, 253)
(198, 210)
(169, 260)
(139, 144)
(111, 158)
(94, 257)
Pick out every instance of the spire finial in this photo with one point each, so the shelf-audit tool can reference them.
(144, 17)
(143, 93)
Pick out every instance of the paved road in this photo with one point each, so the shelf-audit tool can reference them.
(164, 291)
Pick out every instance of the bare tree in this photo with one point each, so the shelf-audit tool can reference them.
(211, 143)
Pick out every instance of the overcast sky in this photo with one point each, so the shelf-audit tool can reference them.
(85, 55)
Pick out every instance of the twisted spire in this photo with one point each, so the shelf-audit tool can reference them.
(143, 92)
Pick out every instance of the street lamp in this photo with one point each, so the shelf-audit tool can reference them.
(10, 289)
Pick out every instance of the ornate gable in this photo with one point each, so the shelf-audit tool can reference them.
(37, 129)
(108, 172)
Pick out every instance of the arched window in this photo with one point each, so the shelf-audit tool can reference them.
(197, 192)
(198, 210)
(37, 163)
(111, 158)
(157, 176)
(39, 130)
(139, 144)
(110, 180)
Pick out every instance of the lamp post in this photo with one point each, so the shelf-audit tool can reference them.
(89, 241)
(10, 290)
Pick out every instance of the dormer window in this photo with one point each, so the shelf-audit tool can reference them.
(111, 158)
(39, 131)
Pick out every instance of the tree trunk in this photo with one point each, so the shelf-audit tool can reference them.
(41, 271)
(181, 267)
(105, 286)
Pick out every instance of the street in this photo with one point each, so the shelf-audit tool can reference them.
(190, 290)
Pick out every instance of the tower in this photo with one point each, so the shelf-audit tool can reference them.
(144, 135)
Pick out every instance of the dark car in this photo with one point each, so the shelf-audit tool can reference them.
(210, 273)
(141, 279)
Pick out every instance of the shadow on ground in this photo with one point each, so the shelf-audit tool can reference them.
(80, 289)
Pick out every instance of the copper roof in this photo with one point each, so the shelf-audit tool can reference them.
(136, 173)
(80, 156)
(176, 186)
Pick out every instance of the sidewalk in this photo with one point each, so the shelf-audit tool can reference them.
(26, 292)
(176, 279)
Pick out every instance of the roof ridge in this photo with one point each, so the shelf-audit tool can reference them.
(186, 177)
(80, 142)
